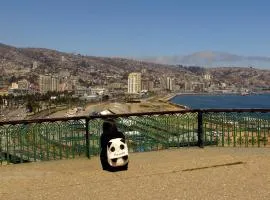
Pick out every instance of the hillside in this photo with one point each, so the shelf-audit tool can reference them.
(247, 77)
(19, 62)
(30, 62)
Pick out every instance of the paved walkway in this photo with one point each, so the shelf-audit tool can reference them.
(187, 173)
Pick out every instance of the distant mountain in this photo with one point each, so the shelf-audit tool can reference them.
(213, 59)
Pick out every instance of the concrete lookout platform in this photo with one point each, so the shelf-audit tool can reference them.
(186, 173)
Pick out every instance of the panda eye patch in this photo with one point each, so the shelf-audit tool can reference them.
(122, 146)
(112, 149)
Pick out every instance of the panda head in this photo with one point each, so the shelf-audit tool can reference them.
(117, 152)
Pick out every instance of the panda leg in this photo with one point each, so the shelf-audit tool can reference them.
(106, 166)
(123, 168)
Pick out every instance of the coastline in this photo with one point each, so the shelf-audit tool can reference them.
(156, 103)
(172, 96)
(168, 98)
(153, 104)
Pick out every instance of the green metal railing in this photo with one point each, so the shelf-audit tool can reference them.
(65, 138)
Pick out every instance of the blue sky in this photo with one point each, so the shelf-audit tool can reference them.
(138, 27)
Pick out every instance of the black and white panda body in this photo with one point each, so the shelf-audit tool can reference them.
(117, 152)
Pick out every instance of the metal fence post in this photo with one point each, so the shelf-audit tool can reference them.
(87, 142)
(200, 130)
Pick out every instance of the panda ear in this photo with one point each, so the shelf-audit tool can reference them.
(122, 140)
(109, 144)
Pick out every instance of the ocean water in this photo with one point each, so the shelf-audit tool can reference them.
(223, 101)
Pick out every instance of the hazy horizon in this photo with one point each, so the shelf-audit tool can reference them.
(207, 59)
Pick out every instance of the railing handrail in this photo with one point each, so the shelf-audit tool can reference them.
(226, 110)
(66, 137)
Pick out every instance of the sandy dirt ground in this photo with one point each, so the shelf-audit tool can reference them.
(187, 173)
(152, 104)
(149, 105)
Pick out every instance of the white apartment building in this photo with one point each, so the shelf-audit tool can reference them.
(134, 83)
(14, 86)
(170, 83)
(48, 83)
(207, 76)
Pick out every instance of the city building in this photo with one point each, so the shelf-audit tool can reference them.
(48, 83)
(23, 84)
(144, 71)
(162, 83)
(14, 85)
(15, 90)
(207, 76)
(170, 83)
(3, 92)
(2, 83)
(193, 86)
(81, 91)
(92, 69)
(98, 91)
(64, 73)
(197, 87)
(147, 85)
(115, 86)
(134, 83)
(54, 83)
(35, 65)
(44, 83)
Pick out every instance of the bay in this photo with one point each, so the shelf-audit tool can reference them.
(195, 101)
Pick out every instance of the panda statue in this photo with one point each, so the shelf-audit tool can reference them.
(117, 153)
(113, 148)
